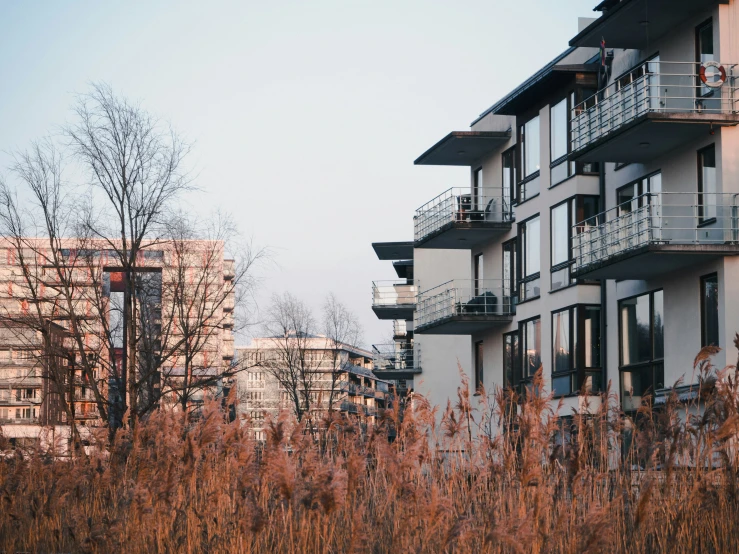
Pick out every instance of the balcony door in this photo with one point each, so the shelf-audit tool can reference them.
(703, 54)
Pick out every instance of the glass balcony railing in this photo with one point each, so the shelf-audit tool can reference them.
(394, 357)
(386, 294)
(460, 205)
(656, 87)
(665, 218)
(479, 298)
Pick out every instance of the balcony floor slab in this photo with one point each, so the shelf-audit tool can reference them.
(651, 135)
(394, 311)
(653, 260)
(464, 235)
(393, 374)
(463, 324)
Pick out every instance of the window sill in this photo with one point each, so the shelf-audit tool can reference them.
(528, 300)
(562, 181)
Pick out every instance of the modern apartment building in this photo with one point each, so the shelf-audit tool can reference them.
(184, 321)
(598, 233)
(320, 371)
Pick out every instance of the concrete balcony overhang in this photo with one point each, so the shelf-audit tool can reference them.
(393, 299)
(402, 250)
(394, 311)
(464, 235)
(404, 268)
(461, 324)
(653, 260)
(651, 135)
(636, 23)
(463, 148)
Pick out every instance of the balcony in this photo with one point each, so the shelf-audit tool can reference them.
(464, 307)
(393, 361)
(460, 218)
(668, 231)
(663, 106)
(393, 299)
(349, 407)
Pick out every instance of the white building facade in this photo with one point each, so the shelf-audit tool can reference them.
(598, 234)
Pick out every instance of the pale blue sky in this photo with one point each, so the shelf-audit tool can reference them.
(306, 116)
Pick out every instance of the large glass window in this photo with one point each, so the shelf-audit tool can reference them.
(478, 269)
(531, 147)
(707, 186)
(510, 283)
(477, 190)
(641, 347)
(580, 209)
(530, 333)
(509, 177)
(704, 50)
(530, 234)
(559, 142)
(709, 310)
(631, 197)
(511, 360)
(478, 365)
(529, 151)
(576, 350)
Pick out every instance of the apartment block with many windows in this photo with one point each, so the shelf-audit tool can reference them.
(599, 228)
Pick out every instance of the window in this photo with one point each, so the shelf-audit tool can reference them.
(704, 51)
(709, 310)
(641, 347)
(559, 142)
(707, 184)
(478, 274)
(576, 350)
(580, 210)
(477, 190)
(511, 360)
(638, 194)
(529, 151)
(581, 99)
(530, 258)
(510, 283)
(478, 366)
(509, 177)
(530, 333)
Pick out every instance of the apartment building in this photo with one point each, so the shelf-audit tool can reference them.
(322, 372)
(597, 234)
(184, 319)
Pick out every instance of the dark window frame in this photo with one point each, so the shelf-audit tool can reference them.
(526, 379)
(509, 155)
(702, 220)
(510, 250)
(577, 348)
(522, 278)
(701, 90)
(573, 218)
(553, 163)
(521, 162)
(652, 365)
(478, 271)
(515, 360)
(704, 338)
(479, 365)
(641, 192)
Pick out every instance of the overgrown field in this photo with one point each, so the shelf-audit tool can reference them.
(658, 482)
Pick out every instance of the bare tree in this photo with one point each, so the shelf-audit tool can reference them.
(145, 297)
(342, 330)
(305, 362)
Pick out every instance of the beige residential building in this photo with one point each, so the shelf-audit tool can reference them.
(184, 320)
(329, 374)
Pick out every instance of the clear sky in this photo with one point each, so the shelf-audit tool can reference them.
(306, 116)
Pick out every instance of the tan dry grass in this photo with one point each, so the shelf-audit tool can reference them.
(669, 484)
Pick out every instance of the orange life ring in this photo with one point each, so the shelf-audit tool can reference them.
(721, 70)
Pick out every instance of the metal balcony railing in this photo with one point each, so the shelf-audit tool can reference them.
(667, 218)
(659, 87)
(485, 204)
(393, 293)
(463, 297)
(393, 357)
(350, 407)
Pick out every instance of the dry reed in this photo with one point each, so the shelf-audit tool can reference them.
(662, 481)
